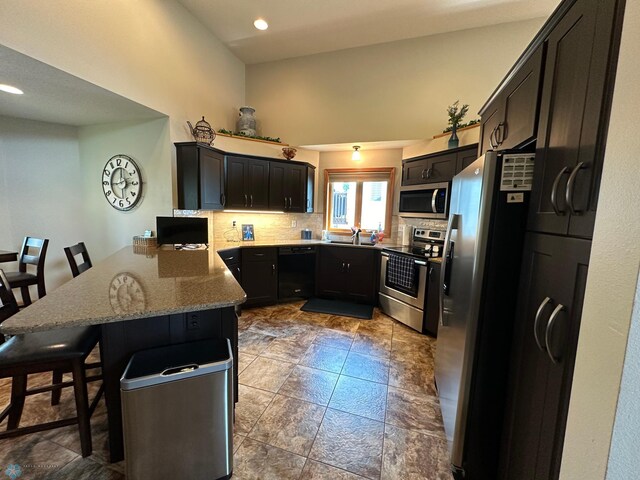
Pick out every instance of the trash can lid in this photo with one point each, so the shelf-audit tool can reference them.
(176, 362)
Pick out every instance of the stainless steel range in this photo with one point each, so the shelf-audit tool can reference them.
(404, 276)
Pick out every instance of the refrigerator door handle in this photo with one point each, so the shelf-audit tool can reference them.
(547, 334)
(454, 220)
(536, 323)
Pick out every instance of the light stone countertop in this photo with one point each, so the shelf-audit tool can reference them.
(130, 286)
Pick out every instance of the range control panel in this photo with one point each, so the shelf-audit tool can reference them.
(517, 172)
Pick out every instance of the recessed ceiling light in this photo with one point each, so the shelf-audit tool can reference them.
(260, 24)
(10, 89)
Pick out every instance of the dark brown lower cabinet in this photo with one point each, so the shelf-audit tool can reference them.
(232, 259)
(348, 273)
(260, 275)
(551, 293)
(432, 308)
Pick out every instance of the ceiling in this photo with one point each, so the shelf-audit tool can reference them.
(51, 95)
(305, 27)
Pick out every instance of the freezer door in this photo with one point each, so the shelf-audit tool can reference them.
(461, 277)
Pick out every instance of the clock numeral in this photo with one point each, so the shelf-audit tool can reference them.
(128, 201)
(106, 183)
(111, 163)
(108, 192)
(134, 183)
(126, 165)
(133, 194)
(121, 203)
(114, 200)
(107, 172)
(134, 172)
(118, 161)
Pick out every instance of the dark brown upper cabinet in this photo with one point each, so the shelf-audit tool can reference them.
(288, 187)
(574, 114)
(509, 119)
(247, 183)
(437, 167)
(200, 172)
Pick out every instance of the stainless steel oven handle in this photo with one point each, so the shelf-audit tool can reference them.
(454, 219)
(420, 262)
(433, 200)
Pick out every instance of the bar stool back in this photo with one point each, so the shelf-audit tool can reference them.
(23, 279)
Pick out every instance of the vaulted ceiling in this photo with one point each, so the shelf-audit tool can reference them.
(305, 27)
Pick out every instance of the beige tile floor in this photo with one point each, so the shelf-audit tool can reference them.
(321, 397)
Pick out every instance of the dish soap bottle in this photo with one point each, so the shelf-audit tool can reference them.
(374, 237)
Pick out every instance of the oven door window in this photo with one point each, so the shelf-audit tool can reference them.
(409, 291)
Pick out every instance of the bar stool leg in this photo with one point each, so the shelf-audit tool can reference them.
(18, 392)
(26, 297)
(56, 392)
(82, 406)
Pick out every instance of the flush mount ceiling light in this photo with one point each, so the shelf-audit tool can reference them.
(10, 89)
(260, 24)
(356, 153)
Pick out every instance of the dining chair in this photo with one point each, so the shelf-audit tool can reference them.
(71, 252)
(23, 279)
(63, 350)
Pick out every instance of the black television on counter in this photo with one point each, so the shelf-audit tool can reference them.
(182, 230)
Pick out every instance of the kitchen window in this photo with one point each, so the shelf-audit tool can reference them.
(358, 197)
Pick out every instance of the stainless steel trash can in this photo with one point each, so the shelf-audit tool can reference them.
(177, 412)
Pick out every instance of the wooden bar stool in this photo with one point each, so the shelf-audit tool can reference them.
(62, 350)
(23, 279)
(71, 252)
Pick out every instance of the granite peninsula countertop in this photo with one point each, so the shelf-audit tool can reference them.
(153, 282)
(130, 286)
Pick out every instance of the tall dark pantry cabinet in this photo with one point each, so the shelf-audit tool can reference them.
(580, 44)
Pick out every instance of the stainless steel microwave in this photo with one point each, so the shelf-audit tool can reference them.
(425, 201)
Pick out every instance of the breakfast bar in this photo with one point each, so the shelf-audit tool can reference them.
(141, 299)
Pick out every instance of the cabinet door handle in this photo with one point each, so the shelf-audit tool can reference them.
(251, 200)
(273, 269)
(554, 191)
(285, 203)
(229, 258)
(429, 172)
(549, 331)
(348, 267)
(422, 173)
(570, 186)
(245, 200)
(430, 272)
(536, 322)
(258, 254)
(223, 199)
(499, 130)
(491, 139)
(343, 267)
(290, 202)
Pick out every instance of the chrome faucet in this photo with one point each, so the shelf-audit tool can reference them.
(355, 238)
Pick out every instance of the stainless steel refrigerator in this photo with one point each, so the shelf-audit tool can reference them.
(481, 265)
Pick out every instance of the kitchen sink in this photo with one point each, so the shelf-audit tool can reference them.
(342, 242)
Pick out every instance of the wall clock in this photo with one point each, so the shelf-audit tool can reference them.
(126, 294)
(122, 182)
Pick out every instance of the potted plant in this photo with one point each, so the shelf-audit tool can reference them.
(456, 114)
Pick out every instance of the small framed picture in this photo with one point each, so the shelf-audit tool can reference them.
(247, 233)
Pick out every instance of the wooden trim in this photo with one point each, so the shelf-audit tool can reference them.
(469, 127)
(250, 139)
(390, 171)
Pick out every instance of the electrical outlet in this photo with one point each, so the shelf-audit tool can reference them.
(294, 224)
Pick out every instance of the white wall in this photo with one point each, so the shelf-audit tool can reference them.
(392, 91)
(148, 144)
(611, 282)
(40, 178)
(151, 51)
(624, 461)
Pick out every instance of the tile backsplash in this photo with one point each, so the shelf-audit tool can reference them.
(278, 226)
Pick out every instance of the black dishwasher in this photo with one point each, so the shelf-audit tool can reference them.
(297, 272)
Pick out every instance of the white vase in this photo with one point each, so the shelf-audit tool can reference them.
(247, 122)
